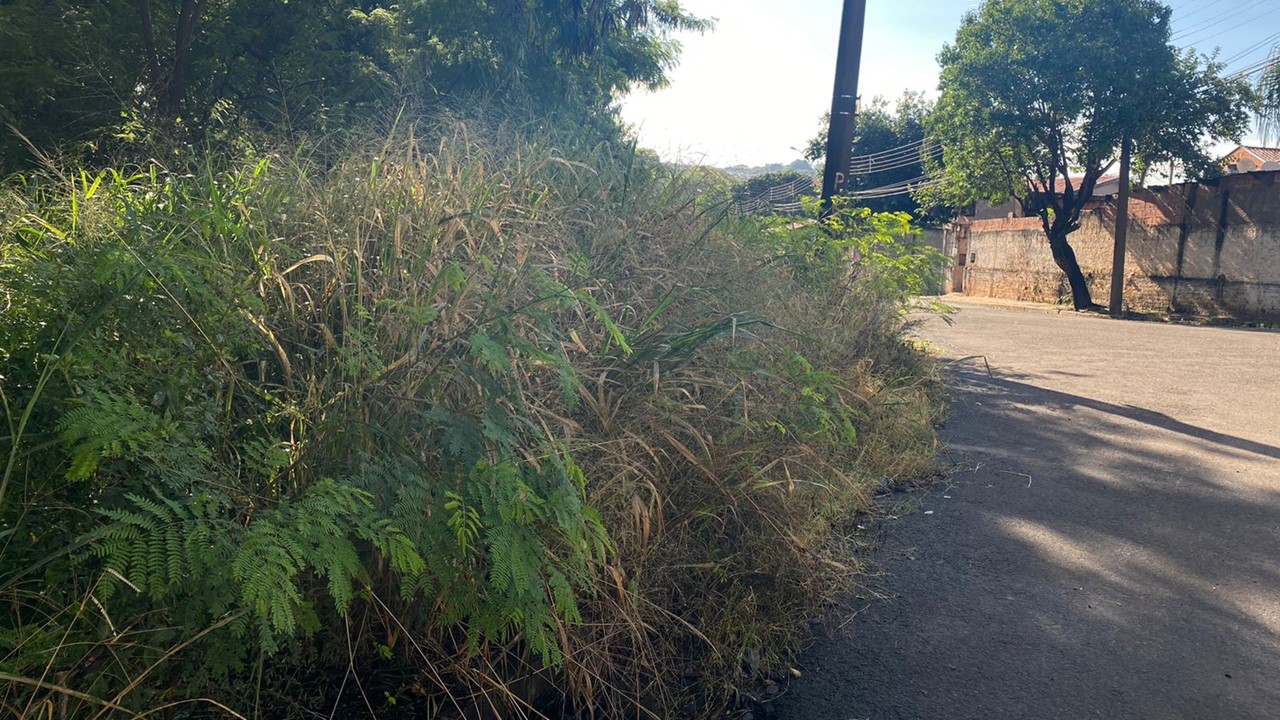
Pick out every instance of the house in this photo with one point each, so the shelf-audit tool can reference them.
(1251, 158)
(1106, 186)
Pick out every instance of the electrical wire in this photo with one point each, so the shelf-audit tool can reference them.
(1200, 7)
(858, 168)
(768, 198)
(892, 151)
(1270, 40)
(1217, 20)
(1254, 69)
(1224, 31)
(896, 192)
(913, 158)
(893, 189)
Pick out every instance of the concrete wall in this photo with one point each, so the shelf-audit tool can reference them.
(1209, 248)
(933, 237)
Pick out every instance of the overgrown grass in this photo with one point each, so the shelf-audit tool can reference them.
(458, 423)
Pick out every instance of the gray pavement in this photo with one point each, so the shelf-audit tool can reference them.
(1106, 546)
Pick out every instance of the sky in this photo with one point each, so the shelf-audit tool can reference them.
(752, 91)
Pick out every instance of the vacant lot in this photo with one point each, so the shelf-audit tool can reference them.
(1108, 546)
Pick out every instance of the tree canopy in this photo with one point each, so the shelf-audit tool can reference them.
(1036, 97)
(1268, 88)
(84, 73)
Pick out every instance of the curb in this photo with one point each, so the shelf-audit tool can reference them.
(962, 301)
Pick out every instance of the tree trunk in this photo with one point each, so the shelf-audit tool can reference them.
(1065, 258)
(149, 38)
(188, 20)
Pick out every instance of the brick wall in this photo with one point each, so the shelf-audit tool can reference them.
(1209, 248)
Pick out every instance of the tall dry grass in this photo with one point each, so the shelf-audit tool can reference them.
(590, 444)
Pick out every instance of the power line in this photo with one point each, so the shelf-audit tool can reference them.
(1254, 69)
(910, 157)
(857, 168)
(894, 186)
(1201, 7)
(1269, 40)
(891, 151)
(893, 189)
(896, 193)
(1224, 31)
(1218, 19)
(769, 197)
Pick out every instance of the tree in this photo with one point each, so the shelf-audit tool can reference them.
(889, 148)
(1037, 96)
(1268, 88)
(82, 74)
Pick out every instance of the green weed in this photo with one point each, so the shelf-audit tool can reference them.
(454, 423)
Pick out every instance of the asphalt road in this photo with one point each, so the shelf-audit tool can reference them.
(1107, 544)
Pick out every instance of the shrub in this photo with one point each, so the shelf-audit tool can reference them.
(458, 422)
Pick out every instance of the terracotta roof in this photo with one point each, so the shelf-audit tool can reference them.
(1264, 154)
(1059, 186)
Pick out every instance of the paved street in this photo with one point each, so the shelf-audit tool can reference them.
(1107, 546)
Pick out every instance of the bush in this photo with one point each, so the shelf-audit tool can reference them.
(456, 423)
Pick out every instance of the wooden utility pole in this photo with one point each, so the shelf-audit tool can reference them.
(844, 102)
(1122, 230)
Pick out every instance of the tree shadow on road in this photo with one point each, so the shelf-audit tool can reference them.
(1023, 388)
(1093, 560)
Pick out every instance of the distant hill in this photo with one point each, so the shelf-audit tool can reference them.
(744, 171)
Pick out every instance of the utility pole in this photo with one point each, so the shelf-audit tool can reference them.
(1122, 230)
(844, 102)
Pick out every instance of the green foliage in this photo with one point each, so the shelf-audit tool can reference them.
(102, 427)
(880, 250)
(86, 76)
(898, 137)
(449, 409)
(204, 457)
(1268, 90)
